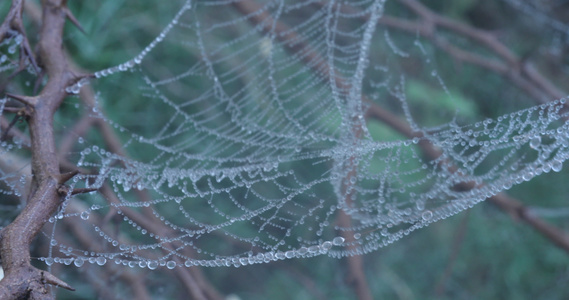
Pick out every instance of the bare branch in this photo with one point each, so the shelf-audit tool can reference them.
(13, 21)
(21, 279)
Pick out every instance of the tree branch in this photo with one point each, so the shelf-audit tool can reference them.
(21, 279)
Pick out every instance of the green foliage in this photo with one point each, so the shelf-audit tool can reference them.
(433, 104)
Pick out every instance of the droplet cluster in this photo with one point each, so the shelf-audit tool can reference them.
(246, 152)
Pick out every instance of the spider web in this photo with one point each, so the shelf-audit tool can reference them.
(246, 142)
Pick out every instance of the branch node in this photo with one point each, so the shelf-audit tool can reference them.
(62, 190)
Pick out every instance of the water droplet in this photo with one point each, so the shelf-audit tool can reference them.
(427, 215)
(535, 142)
(74, 89)
(171, 265)
(357, 236)
(556, 165)
(85, 215)
(101, 260)
(280, 255)
(153, 265)
(326, 245)
(337, 241)
(49, 261)
(78, 262)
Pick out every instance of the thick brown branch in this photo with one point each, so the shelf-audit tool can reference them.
(21, 279)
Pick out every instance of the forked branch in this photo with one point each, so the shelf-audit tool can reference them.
(22, 280)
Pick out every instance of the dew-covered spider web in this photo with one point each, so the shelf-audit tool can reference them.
(245, 138)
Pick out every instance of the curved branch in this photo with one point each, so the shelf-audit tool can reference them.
(21, 279)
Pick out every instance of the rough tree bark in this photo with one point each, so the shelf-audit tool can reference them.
(22, 280)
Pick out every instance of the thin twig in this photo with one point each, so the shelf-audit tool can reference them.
(10, 125)
(455, 250)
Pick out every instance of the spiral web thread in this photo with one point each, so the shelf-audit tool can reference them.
(253, 151)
